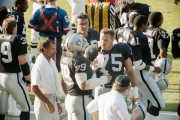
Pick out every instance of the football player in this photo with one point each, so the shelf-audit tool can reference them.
(20, 6)
(123, 13)
(158, 38)
(77, 74)
(142, 64)
(82, 25)
(116, 57)
(3, 12)
(175, 50)
(13, 51)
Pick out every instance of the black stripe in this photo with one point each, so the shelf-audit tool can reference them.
(166, 82)
(165, 66)
(100, 17)
(109, 15)
(23, 92)
(142, 111)
(149, 89)
(84, 107)
(33, 43)
(33, 46)
(92, 15)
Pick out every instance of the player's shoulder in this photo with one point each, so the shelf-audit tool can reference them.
(21, 40)
(123, 46)
(78, 59)
(177, 30)
(94, 32)
(142, 5)
(8, 37)
(62, 11)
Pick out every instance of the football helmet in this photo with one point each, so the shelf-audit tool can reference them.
(162, 82)
(128, 1)
(164, 64)
(75, 43)
(142, 109)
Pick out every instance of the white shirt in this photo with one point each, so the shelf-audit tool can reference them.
(111, 106)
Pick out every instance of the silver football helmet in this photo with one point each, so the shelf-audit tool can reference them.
(164, 64)
(162, 82)
(142, 108)
(76, 43)
(128, 1)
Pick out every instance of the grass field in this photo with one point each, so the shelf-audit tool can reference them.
(171, 13)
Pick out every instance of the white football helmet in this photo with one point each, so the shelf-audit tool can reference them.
(164, 64)
(142, 108)
(128, 1)
(76, 43)
(162, 82)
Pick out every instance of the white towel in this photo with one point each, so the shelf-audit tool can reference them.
(49, 75)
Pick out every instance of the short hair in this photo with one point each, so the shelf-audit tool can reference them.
(108, 31)
(8, 25)
(140, 20)
(154, 18)
(18, 2)
(45, 44)
(116, 86)
(133, 17)
(82, 16)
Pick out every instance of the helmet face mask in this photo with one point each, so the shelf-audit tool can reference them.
(76, 43)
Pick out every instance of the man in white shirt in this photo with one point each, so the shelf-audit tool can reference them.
(112, 105)
(45, 83)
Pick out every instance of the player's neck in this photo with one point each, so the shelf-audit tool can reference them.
(52, 3)
(138, 29)
(48, 59)
(85, 35)
(16, 8)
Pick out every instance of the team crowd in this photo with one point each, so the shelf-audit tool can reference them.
(113, 60)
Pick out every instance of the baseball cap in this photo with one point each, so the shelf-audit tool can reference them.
(124, 80)
(3, 12)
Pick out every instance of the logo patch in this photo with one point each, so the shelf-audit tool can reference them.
(78, 42)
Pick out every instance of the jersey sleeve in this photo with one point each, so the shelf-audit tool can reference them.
(34, 19)
(22, 46)
(65, 22)
(163, 40)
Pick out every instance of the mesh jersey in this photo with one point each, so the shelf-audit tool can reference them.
(140, 47)
(62, 21)
(11, 46)
(101, 15)
(93, 36)
(157, 38)
(113, 59)
(176, 42)
(122, 14)
(21, 25)
(72, 65)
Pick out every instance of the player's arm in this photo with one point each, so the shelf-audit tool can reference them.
(34, 19)
(65, 23)
(64, 85)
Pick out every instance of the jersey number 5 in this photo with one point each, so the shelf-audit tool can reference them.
(6, 50)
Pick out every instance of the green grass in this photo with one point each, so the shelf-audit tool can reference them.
(171, 13)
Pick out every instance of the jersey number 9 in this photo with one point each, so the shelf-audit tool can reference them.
(6, 50)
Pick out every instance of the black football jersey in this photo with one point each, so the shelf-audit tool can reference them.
(21, 25)
(69, 67)
(122, 14)
(113, 59)
(93, 36)
(1, 30)
(157, 38)
(176, 42)
(11, 46)
(140, 47)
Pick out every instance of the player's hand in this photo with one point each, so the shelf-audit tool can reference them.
(157, 70)
(28, 86)
(95, 65)
(109, 78)
(50, 107)
(59, 108)
(136, 112)
(135, 99)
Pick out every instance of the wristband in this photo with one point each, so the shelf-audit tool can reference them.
(152, 68)
(25, 69)
(26, 81)
(135, 92)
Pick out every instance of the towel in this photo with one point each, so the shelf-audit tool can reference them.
(49, 75)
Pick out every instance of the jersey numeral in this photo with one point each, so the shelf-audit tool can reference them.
(66, 74)
(135, 41)
(151, 43)
(164, 35)
(24, 41)
(82, 67)
(24, 29)
(6, 50)
(113, 61)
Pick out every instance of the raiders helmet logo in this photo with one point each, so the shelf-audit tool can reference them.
(78, 42)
